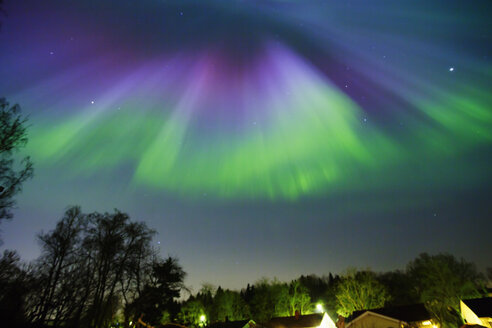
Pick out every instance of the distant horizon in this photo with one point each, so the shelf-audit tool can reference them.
(195, 285)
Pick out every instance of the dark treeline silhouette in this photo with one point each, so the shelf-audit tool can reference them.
(99, 270)
(94, 269)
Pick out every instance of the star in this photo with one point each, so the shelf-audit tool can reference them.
(451, 69)
(92, 102)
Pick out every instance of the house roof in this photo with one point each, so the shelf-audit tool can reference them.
(369, 314)
(229, 324)
(308, 320)
(482, 307)
(407, 313)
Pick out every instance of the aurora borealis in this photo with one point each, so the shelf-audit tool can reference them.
(247, 117)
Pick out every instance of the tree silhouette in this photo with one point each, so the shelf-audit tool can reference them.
(12, 138)
(91, 265)
(441, 281)
(15, 282)
(359, 290)
(58, 269)
(163, 286)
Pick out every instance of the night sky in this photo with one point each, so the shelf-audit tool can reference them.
(259, 138)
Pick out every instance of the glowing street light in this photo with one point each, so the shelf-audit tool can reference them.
(203, 318)
(319, 307)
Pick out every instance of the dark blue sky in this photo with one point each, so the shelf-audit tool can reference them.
(259, 138)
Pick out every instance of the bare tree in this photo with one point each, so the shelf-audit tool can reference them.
(59, 261)
(90, 264)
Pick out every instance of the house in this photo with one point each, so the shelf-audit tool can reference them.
(317, 320)
(477, 311)
(415, 315)
(233, 324)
